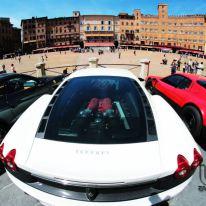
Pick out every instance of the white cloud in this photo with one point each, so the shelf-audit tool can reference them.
(16, 21)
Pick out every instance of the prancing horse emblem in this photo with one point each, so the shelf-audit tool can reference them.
(91, 193)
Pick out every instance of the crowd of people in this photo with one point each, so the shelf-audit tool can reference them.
(193, 67)
(188, 66)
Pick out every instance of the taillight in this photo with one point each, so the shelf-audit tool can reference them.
(1, 153)
(9, 160)
(197, 159)
(183, 167)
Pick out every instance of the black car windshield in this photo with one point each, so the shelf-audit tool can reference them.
(98, 110)
(202, 83)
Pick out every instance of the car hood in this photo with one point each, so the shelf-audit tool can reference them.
(100, 164)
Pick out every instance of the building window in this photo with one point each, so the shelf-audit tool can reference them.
(102, 22)
(109, 22)
(88, 28)
(123, 23)
(102, 28)
(109, 28)
(127, 23)
(95, 28)
(200, 48)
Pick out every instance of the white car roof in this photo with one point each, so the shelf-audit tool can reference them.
(102, 72)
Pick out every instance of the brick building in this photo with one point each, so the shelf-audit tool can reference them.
(188, 31)
(99, 30)
(43, 32)
(10, 37)
(130, 27)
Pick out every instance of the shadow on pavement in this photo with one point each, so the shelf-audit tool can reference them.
(162, 204)
(156, 198)
(2, 170)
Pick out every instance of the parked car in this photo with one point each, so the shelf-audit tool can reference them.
(77, 50)
(18, 92)
(101, 138)
(187, 93)
(10, 55)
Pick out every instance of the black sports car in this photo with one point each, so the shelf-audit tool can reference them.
(18, 92)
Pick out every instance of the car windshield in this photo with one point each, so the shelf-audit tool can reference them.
(98, 110)
(202, 83)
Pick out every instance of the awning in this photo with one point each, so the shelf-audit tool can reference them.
(65, 46)
(191, 51)
(99, 44)
(56, 47)
(165, 49)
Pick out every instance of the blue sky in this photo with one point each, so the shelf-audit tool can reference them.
(22, 9)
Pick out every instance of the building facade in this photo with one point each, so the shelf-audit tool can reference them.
(43, 32)
(10, 37)
(188, 31)
(130, 27)
(99, 30)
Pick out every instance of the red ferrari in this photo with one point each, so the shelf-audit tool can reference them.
(187, 94)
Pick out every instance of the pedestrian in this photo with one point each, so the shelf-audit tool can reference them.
(119, 55)
(13, 68)
(190, 65)
(188, 68)
(3, 69)
(135, 52)
(46, 57)
(19, 59)
(164, 60)
(196, 66)
(200, 68)
(174, 66)
(178, 64)
(42, 58)
(193, 68)
(184, 69)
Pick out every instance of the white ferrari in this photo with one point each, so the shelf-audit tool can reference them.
(100, 139)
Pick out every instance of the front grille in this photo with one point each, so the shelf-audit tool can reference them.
(106, 194)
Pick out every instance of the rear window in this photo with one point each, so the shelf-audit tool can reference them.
(98, 110)
(202, 83)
